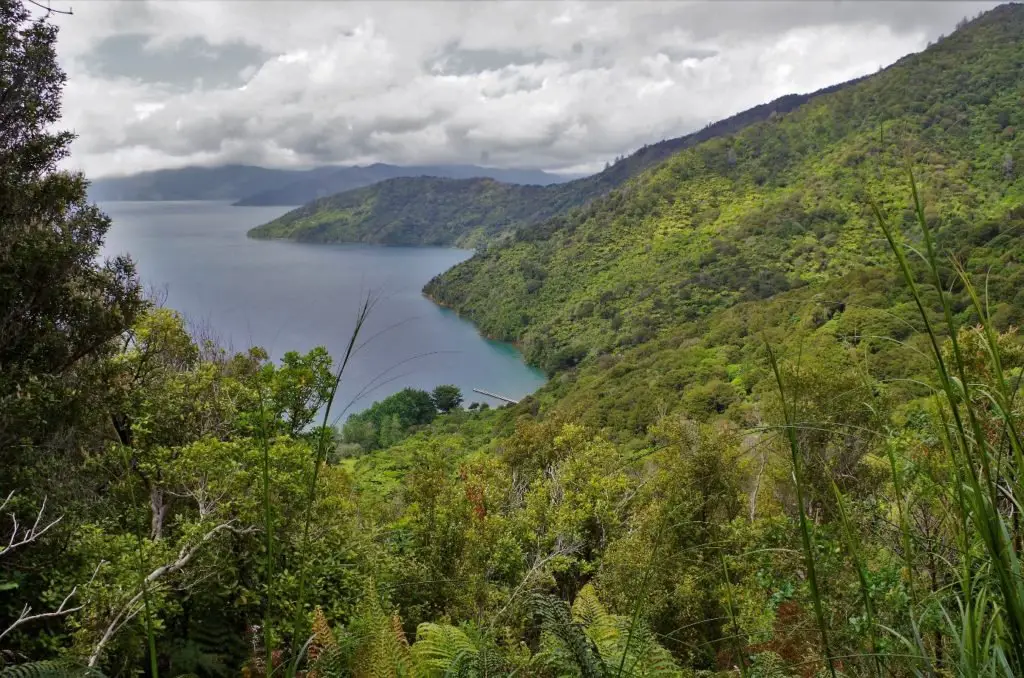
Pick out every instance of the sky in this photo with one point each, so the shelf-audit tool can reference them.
(561, 86)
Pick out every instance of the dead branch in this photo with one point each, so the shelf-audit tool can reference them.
(538, 564)
(26, 615)
(49, 10)
(30, 534)
(130, 609)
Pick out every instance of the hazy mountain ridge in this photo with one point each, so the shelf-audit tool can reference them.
(252, 185)
(348, 178)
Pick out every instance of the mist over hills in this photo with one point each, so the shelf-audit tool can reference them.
(251, 185)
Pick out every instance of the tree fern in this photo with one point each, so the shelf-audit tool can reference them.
(488, 661)
(327, 658)
(50, 669)
(594, 641)
(443, 650)
(438, 647)
(382, 650)
(588, 610)
(211, 647)
(565, 643)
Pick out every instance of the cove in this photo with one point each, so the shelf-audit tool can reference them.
(287, 296)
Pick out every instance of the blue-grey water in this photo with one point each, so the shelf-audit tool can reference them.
(291, 296)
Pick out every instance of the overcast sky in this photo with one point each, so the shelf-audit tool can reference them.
(560, 86)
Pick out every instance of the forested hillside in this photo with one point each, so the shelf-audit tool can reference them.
(471, 212)
(781, 438)
(780, 205)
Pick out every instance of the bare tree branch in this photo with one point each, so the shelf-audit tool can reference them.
(538, 563)
(49, 10)
(30, 534)
(25, 616)
(133, 606)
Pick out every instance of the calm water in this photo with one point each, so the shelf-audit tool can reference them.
(290, 296)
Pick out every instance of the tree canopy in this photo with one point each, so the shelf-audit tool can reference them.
(782, 435)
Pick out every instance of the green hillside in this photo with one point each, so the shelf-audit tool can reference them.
(468, 212)
(781, 205)
(782, 438)
(407, 211)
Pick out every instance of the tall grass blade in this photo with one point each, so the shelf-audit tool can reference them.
(970, 452)
(853, 548)
(805, 530)
(737, 645)
(324, 440)
(268, 529)
(143, 584)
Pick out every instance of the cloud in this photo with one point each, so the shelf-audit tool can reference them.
(530, 84)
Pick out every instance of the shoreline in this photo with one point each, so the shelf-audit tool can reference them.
(479, 331)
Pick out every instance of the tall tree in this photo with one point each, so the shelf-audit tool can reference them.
(446, 397)
(60, 305)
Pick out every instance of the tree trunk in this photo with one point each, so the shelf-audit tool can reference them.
(158, 511)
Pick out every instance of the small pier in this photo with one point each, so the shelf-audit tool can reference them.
(495, 396)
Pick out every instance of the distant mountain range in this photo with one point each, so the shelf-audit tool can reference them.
(467, 212)
(251, 185)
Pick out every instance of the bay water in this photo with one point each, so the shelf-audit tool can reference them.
(293, 296)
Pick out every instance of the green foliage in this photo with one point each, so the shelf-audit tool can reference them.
(845, 501)
(63, 310)
(50, 240)
(382, 649)
(781, 205)
(446, 398)
(49, 669)
(442, 650)
(387, 422)
(595, 643)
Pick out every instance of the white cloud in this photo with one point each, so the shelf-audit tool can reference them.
(540, 84)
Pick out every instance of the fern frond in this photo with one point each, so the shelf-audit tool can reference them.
(50, 669)
(587, 609)
(323, 636)
(439, 647)
(646, 657)
(326, 656)
(403, 654)
(383, 651)
(573, 644)
(211, 646)
(588, 639)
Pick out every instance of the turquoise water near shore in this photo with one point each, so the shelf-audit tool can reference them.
(293, 296)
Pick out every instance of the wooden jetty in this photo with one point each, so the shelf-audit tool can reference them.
(495, 395)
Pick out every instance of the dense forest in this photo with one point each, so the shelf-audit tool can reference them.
(781, 206)
(475, 212)
(781, 437)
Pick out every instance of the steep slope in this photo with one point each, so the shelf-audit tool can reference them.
(470, 211)
(323, 184)
(781, 205)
